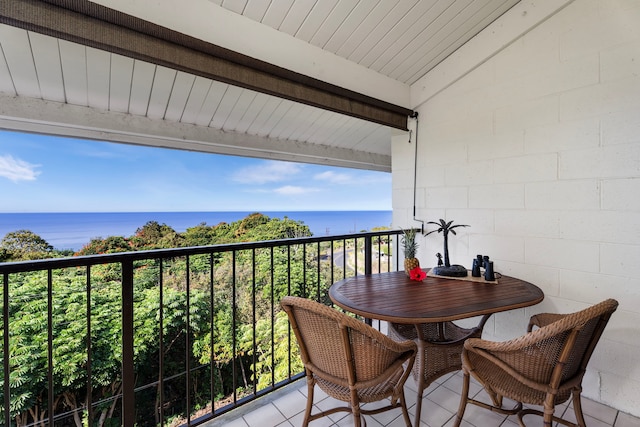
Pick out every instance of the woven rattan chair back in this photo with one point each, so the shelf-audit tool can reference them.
(543, 367)
(348, 359)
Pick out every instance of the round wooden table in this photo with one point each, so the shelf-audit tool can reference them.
(424, 311)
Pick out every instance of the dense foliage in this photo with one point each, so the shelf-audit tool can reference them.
(24, 245)
(189, 312)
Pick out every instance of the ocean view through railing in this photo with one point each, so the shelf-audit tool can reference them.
(164, 337)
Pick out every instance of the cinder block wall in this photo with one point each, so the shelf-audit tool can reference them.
(536, 146)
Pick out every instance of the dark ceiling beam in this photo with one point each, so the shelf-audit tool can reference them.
(90, 24)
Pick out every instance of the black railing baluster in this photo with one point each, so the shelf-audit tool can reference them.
(318, 275)
(161, 341)
(273, 319)
(253, 328)
(388, 253)
(355, 258)
(332, 262)
(379, 251)
(234, 328)
(367, 255)
(397, 246)
(128, 369)
(289, 293)
(305, 293)
(212, 335)
(89, 350)
(344, 258)
(288, 270)
(187, 347)
(5, 349)
(50, 392)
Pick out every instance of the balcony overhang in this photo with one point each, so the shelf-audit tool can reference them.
(282, 81)
(93, 25)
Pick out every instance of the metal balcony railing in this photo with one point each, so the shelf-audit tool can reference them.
(163, 337)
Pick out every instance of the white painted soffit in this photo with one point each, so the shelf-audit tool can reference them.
(518, 21)
(205, 20)
(67, 120)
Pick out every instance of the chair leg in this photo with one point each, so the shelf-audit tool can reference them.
(464, 396)
(355, 410)
(420, 366)
(549, 409)
(405, 413)
(577, 406)
(307, 412)
(357, 419)
(418, 406)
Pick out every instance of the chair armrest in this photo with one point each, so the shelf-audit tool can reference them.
(543, 319)
(475, 344)
(514, 359)
(546, 330)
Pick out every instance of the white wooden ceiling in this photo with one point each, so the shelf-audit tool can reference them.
(46, 83)
(402, 39)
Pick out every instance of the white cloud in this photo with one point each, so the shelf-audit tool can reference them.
(17, 170)
(269, 171)
(333, 177)
(290, 190)
(287, 190)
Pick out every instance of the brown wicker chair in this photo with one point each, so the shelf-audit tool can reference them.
(439, 349)
(348, 359)
(543, 367)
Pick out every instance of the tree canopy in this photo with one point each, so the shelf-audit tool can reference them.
(24, 245)
(231, 327)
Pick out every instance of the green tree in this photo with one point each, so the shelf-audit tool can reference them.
(268, 350)
(29, 336)
(153, 235)
(28, 344)
(202, 234)
(111, 244)
(24, 245)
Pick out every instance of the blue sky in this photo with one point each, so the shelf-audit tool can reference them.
(51, 174)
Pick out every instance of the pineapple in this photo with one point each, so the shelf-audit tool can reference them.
(410, 247)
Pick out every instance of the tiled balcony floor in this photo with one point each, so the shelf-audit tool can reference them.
(285, 408)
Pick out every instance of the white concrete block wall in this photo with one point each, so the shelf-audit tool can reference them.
(537, 147)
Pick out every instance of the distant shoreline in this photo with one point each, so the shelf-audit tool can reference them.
(206, 213)
(72, 230)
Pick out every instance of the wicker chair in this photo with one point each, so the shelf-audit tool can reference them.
(543, 367)
(439, 349)
(348, 360)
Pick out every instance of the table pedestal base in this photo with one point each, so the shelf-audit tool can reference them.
(439, 349)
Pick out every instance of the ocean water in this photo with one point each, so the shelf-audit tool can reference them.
(74, 230)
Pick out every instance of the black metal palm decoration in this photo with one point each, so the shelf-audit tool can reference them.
(445, 228)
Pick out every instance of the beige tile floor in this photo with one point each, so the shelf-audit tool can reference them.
(285, 408)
